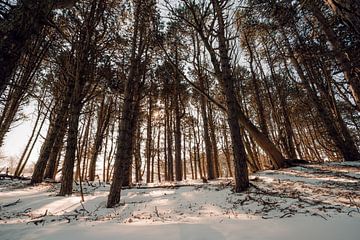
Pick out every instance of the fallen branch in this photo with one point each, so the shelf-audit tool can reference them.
(27, 210)
(3, 176)
(36, 222)
(39, 219)
(351, 211)
(48, 180)
(11, 204)
(264, 191)
(317, 214)
(164, 186)
(287, 215)
(311, 201)
(41, 216)
(157, 212)
(352, 202)
(83, 208)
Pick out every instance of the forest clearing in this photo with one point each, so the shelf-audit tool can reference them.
(179, 119)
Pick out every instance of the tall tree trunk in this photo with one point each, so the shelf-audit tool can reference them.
(130, 108)
(110, 157)
(153, 158)
(169, 127)
(177, 130)
(124, 143)
(149, 140)
(197, 137)
(208, 146)
(227, 153)
(227, 82)
(191, 155)
(105, 153)
(158, 155)
(136, 123)
(349, 152)
(83, 74)
(184, 156)
(196, 154)
(51, 168)
(214, 142)
(137, 154)
(71, 143)
(261, 139)
(177, 140)
(82, 146)
(166, 176)
(350, 73)
(102, 124)
(20, 163)
(256, 88)
(61, 116)
(17, 93)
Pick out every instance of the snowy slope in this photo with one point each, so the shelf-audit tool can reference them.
(305, 202)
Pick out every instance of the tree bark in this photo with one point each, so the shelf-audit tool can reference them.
(51, 168)
(71, 143)
(124, 143)
(61, 116)
(226, 80)
(130, 109)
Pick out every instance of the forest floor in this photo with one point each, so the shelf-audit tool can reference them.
(320, 201)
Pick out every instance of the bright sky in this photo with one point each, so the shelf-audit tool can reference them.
(17, 138)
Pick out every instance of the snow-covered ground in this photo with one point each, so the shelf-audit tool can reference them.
(319, 202)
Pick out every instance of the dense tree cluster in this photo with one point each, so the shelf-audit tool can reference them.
(142, 90)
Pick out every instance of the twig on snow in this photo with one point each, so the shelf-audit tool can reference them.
(11, 204)
(317, 214)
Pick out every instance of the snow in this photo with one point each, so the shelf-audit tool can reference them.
(306, 202)
(297, 228)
